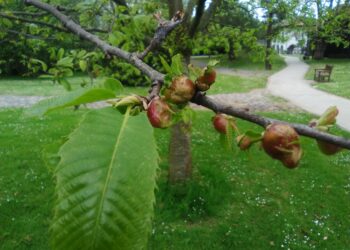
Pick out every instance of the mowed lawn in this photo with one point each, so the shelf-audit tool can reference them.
(236, 200)
(340, 78)
(256, 78)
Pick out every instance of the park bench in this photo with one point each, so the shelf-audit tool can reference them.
(323, 75)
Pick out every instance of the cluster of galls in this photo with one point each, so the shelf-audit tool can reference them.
(179, 93)
(281, 141)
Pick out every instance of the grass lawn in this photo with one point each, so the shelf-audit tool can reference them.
(254, 75)
(224, 83)
(242, 63)
(236, 84)
(340, 78)
(235, 200)
(44, 87)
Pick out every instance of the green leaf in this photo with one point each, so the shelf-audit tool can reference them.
(60, 53)
(81, 53)
(65, 84)
(66, 62)
(66, 72)
(165, 65)
(37, 61)
(83, 65)
(254, 136)
(113, 84)
(72, 98)
(176, 65)
(105, 183)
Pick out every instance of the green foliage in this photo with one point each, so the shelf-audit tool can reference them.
(330, 24)
(105, 189)
(131, 29)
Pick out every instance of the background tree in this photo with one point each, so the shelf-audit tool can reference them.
(325, 23)
(278, 16)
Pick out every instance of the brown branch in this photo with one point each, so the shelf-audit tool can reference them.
(158, 79)
(163, 30)
(302, 129)
(154, 90)
(32, 14)
(104, 46)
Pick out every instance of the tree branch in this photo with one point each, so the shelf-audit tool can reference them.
(302, 129)
(208, 14)
(163, 30)
(32, 14)
(105, 47)
(199, 98)
(197, 19)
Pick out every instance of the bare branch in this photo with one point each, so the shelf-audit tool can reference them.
(105, 47)
(32, 14)
(264, 122)
(154, 90)
(163, 30)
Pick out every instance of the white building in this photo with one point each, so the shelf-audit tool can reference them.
(290, 42)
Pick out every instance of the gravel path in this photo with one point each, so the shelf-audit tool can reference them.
(258, 100)
(10, 101)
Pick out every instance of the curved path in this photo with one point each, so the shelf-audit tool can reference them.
(290, 84)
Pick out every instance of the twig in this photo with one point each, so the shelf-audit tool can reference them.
(154, 90)
(302, 129)
(32, 14)
(163, 30)
(104, 46)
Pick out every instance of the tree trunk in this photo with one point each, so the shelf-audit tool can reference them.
(268, 65)
(231, 50)
(174, 6)
(180, 159)
(269, 30)
(320, 48)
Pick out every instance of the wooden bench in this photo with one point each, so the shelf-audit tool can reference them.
(323, 75)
